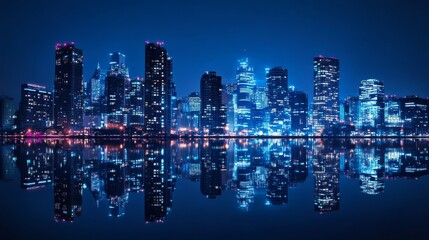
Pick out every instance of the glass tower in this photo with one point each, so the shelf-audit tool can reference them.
(212, 121)
(371, 104)
(245, 86)
(278, 100)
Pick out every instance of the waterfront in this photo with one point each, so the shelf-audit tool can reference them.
(214, 188)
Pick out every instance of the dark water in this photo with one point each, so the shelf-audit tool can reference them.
(214, 189)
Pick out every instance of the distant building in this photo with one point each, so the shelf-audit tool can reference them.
(326, 101)
(157, 118)
(68, 93)
(298, 102)
(371, 104)
(212, 115)
(351, 110)
(36, 107)
(414, 112)
(136, 102)
(392, 112)
(278, 100)
(6, 113)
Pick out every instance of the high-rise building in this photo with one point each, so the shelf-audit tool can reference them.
(298, 102)
(68, 94)
(278, 100)
(136, 102)
(6, 113)
(326, 100)
(212, 116)
(351, 110)
(371, 104)
(392, 112)
(157, 117)
(415, 114)
(117, 84)
(230, 92)
(35, 107)
(245, 86)
(194, 111)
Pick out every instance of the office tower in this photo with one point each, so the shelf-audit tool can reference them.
(278, 100)
(6, 113)
(371, 104)
(68, 181)
(157, 117)
(260, 98)
(136, 102)
(230, 92)
(174, 108)
(117, 84)
(298, 102)
(194, 110)
(95, 98)
(326, 174)
(245, 86)
(35, 107)
(392, 112)
(68, 92)
(212, 120)
(414, 112)
(326, 100)
(351, 110)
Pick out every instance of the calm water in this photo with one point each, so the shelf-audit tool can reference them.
(214, 189)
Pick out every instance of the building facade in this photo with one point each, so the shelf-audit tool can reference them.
(36, 108)
(212, 116)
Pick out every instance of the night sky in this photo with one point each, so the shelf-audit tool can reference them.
(387, 40)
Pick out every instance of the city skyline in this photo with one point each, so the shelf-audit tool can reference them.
(368, 41)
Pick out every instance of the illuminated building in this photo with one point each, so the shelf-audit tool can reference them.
(326, 101)
(230, 92)
(94, 108)
(243, 174)
(6, 113)
(414, 112)
(194, 114)
(245, 86)
(174, 106)
(35, 165)
(136, 102)
(298, 102)
(278, 174)
(68, 93)
(35, 107)
(212, 112)
(157, 117)
(117, 84)
(278, 100)
(392, 115)
(371, 104)
(351, 110)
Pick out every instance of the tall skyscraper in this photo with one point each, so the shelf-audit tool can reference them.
(326, 100)
(245, 86)
(278, 100)
(392, 112)
(136, 102)
(212, 121)
(35, 111)
(351, 110)
(117, 84)
(68, 94)
(415, 113)
(371, 104)
(299, 110)
(158, 76)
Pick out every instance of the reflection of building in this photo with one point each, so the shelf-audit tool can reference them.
(213, 162)
(326, 173)
(243, 174)
(157, 117)
(278, 174)
(115, 188)
(68, 182)
(6, 113)
(35, 164)
(299, 164)
(68, 94)
(35, 107)
(371, 169)
(7, 162)
(158, 183)
(326, 100)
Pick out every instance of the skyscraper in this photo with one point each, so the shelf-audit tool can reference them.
(415, 113)
(212, 116)
(299, 110)
(371, 104)
(157, 118)
(326, 100)
(35, 107)
(136, 102)
(68, 96)
(245, 86)
(278, 100)
(117, 84)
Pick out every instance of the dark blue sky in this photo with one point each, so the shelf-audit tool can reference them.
(387, 40)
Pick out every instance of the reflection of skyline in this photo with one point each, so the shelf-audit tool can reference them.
(114, 171)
